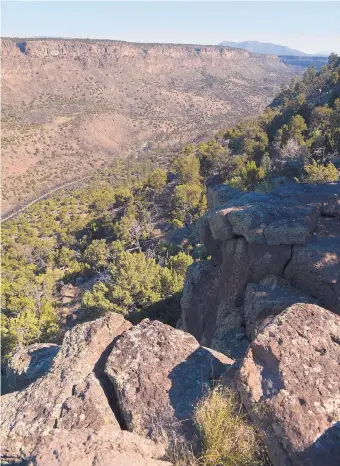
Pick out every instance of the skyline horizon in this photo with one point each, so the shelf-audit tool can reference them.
(310, 27)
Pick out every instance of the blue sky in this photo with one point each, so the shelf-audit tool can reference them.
(308, 26)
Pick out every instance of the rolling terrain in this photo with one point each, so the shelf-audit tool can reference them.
(70, 106)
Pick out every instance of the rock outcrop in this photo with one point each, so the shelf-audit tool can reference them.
(29, 363)
(289, 383)
(291, 234)
(71, 395)
(109, 377)
(159, 373)
(111, 390)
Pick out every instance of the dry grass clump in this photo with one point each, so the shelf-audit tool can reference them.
(227, 438)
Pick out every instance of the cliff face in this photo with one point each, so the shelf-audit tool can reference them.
(106, 53)
(69, 106)
(113, 49)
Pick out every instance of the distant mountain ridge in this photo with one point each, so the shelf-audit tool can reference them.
(266, 48)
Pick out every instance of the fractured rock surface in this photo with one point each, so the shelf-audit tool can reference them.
(267, 299)
(289, 382)
(315, 269)
(103, 447)
(70, 389)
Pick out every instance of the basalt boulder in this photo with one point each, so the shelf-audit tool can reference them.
(264, 219)
(326, 197)
(102, 447)
(315, 269)
(289, 383)
(158, 374)
(267, 299)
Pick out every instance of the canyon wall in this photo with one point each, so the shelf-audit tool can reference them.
(69, 107)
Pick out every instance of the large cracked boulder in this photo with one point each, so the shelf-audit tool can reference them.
(289, 383)
(29, 363)
(70, 395)
(102, 447)
(159, 373)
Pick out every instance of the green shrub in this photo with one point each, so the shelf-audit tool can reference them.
(135, 282)
(248, 178)
(157, 179)
(318, 173)
(185, 200)
(177, 223)
(97, 254)
(28, 327)
(187, 167)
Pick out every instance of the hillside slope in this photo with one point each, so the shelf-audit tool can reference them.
(69, 106)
